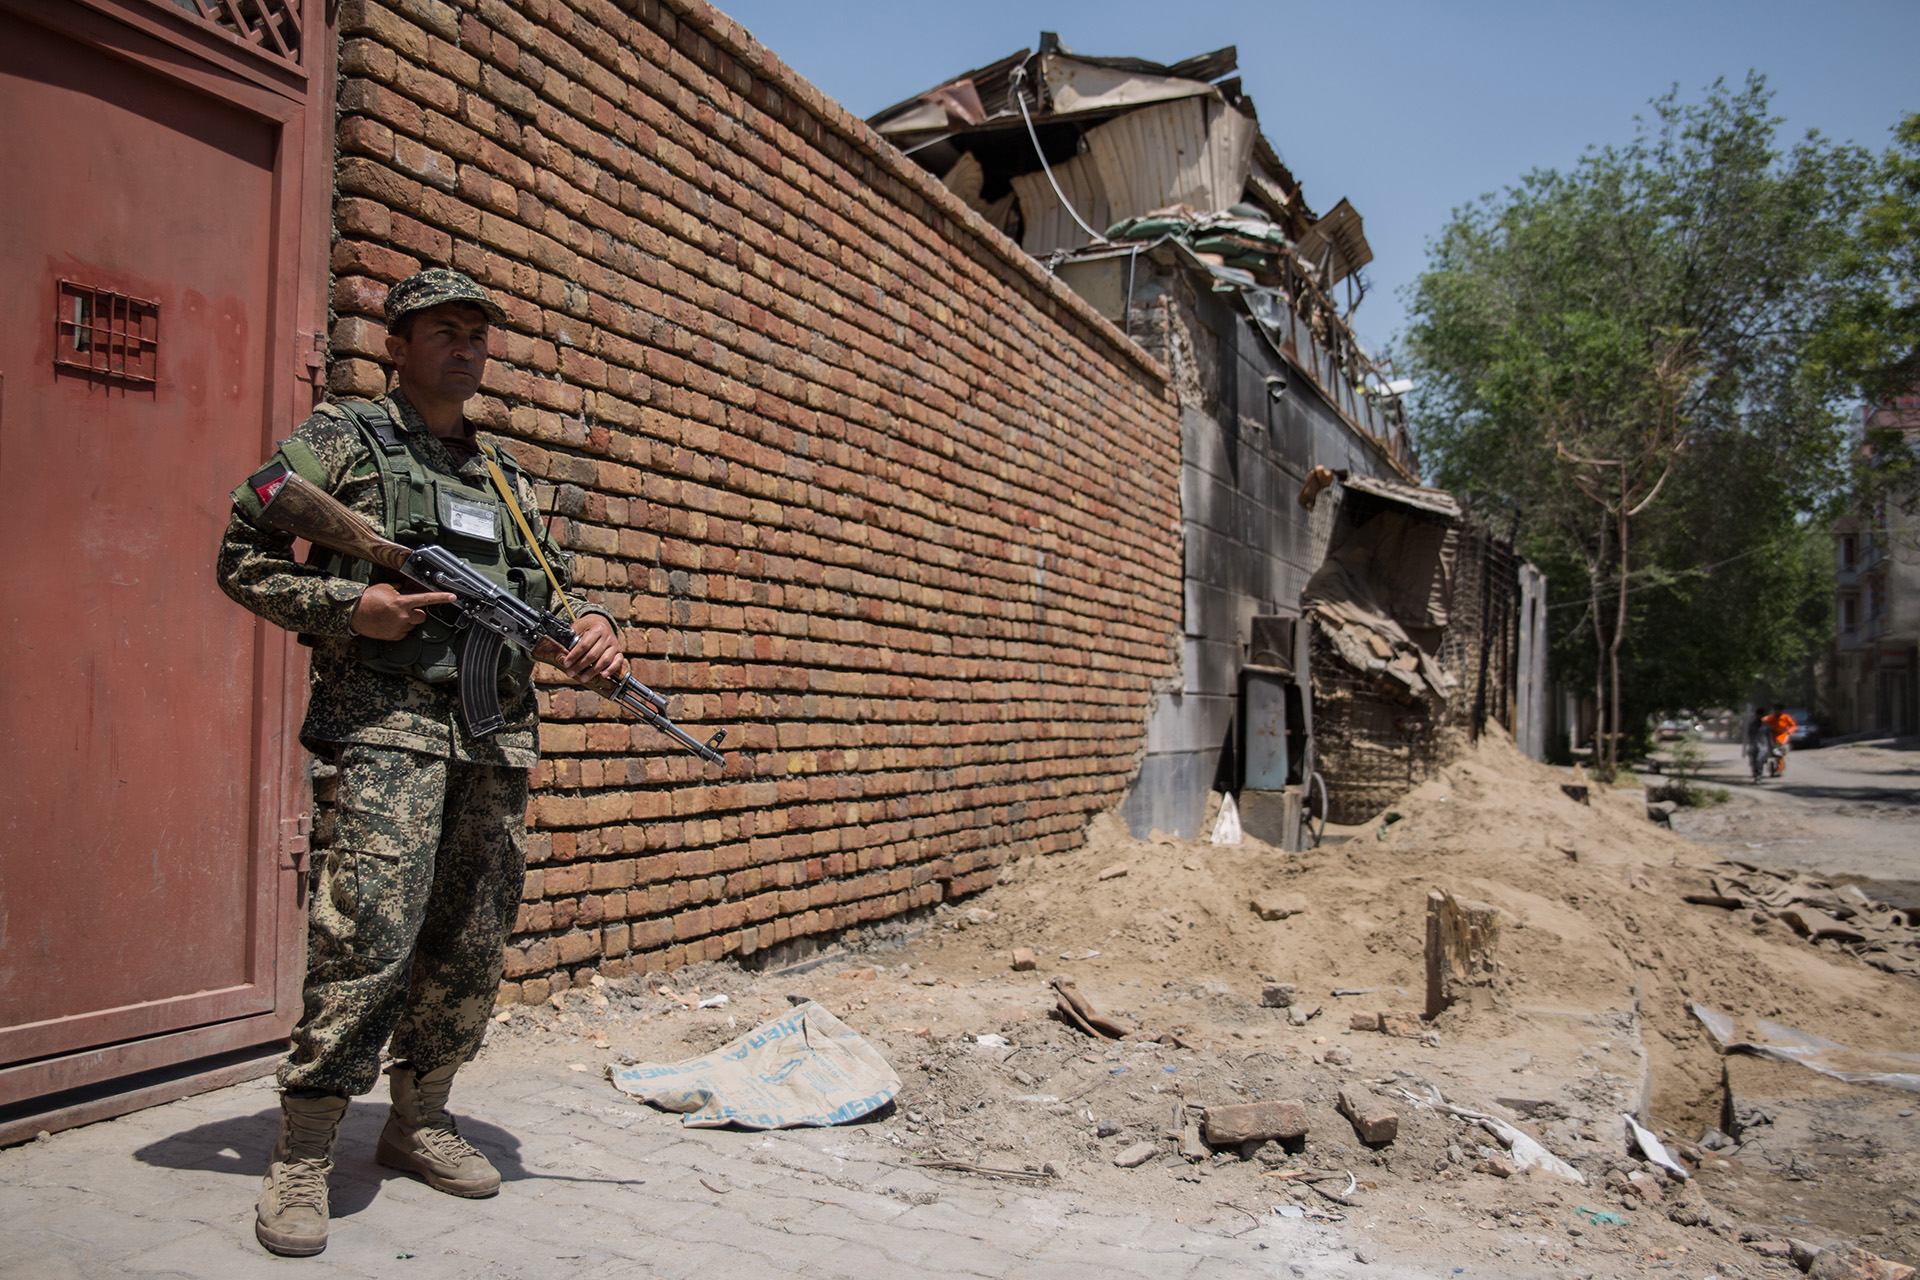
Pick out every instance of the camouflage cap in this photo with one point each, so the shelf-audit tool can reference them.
(434, 286)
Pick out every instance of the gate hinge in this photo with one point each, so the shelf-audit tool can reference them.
(314, 357)
(293, 840)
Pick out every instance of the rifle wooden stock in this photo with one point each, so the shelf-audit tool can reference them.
(308, 511)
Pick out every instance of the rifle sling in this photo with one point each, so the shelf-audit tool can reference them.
(520, 519)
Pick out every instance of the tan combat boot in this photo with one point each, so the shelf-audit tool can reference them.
(420, 1137)
(291, 1217)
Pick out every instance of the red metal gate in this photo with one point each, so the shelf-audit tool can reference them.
(163, 217)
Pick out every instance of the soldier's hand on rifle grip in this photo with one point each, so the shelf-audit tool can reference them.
(596, 652)
(385, 612)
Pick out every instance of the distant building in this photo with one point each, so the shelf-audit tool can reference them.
(1150, 189)
(1874, 676)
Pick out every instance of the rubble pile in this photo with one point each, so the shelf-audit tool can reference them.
(1218, 1032)
(1250, 1114)
(1841, 916)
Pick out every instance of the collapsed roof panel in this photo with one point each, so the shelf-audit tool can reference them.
(1048, 224)
(1078, 84)
(1336, 245)
(1420, 497)
(1072, 154)
(990, 85)
(1194, 151)
(1201, 146)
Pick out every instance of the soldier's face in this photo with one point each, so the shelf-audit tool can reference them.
(446, 354)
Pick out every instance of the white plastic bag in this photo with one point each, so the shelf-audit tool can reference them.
(1226, 828)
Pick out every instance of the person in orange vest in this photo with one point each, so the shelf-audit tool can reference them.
(1781, 726)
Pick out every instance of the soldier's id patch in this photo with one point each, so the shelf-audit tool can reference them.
(469, 518)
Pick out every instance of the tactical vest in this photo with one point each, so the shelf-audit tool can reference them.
(426, 506)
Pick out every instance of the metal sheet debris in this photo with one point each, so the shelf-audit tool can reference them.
(1816, 1053)
(1192, 151)
(1652, 1148)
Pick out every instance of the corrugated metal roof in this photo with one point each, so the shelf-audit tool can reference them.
(1081, 84)
(1438, 501)
(1344, 231)
(1050, 227)
(1190, 151)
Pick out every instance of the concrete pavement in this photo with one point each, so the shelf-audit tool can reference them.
(596, 1187)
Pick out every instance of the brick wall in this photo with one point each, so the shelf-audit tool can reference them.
(864, 484)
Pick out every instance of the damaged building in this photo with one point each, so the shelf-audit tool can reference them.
(1150, 189)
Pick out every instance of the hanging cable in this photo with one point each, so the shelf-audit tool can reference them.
(1017, 81)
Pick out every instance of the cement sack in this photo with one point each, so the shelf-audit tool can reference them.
(805, 1069)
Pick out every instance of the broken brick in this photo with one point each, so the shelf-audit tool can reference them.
(1400, 1022)
(1255, 1121)
(1278, 906)
(1371, 1118)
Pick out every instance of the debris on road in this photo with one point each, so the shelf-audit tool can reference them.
(1527, 1153)
(1462, 935)
(1076, 1010)
(1652, 1148)
(1229, 1126)
(1856, 1264)
(1882, 935)
(986, 1171)
(1278, 906)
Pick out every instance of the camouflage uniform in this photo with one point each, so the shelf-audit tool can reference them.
(416, 890)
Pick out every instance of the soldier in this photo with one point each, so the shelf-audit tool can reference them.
(419, 882)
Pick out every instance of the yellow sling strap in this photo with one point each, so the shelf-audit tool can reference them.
(513, 508)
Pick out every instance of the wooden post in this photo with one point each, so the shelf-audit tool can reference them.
(1461, 936)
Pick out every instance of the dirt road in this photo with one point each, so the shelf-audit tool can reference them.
(1850, 812)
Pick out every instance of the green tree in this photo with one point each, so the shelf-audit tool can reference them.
(1869, 346)
(1616, 358)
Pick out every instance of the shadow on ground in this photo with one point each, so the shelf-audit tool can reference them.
(239, 1146)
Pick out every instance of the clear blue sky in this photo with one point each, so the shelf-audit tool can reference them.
(1408, 109)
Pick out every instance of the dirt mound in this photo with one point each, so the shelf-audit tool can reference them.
(1598, 955)
(1592, 917)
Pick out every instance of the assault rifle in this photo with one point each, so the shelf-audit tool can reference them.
(494, 617)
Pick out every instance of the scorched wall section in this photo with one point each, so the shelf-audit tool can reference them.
(864, 484)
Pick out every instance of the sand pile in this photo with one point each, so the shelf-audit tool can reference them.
(1599, 957)
(1592, 916)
